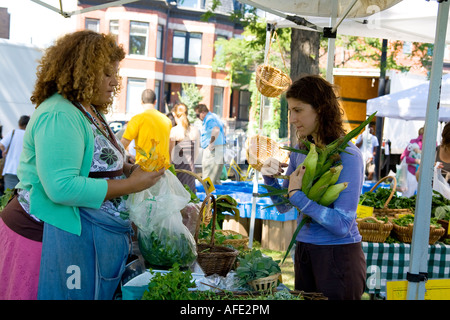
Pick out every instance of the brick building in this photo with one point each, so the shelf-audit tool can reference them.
(168, 44)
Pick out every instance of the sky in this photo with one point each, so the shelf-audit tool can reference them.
(31, 23)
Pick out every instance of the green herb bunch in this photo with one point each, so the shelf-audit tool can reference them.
(173, 285)
(254, 265)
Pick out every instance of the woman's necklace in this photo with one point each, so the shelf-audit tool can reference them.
(102, 126)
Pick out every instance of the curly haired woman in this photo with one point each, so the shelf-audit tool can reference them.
(65, 235)
(328, 255)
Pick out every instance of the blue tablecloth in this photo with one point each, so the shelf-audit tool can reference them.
(242, 192)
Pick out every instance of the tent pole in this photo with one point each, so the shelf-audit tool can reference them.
(269, 29)
(331, 45)
(419, 245)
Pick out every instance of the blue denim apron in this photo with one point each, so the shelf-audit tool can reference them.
(85, 267)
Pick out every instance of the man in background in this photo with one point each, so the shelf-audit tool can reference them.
(368, 144)
(212, 141)
(148, 125)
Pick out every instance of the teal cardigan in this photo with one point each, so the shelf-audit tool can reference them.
(58, 149)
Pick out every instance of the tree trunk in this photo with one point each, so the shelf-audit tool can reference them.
(305, 47)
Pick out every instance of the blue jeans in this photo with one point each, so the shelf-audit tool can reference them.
(85, 267)
(10, 181)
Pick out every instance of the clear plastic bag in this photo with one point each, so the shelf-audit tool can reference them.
(162, 237)
(401, 176)
(439, 183)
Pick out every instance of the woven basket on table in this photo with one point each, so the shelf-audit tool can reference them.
(214, 259)
(271, 81)
(205, 213)
(260, 148)
(385, 211)
(376, 231)
(404, 233)
(265, 283)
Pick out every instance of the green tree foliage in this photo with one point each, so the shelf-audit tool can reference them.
(191, 97)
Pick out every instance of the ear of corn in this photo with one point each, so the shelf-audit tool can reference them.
(332, 193)
(321, 185)
(310, 163)
(336, 174)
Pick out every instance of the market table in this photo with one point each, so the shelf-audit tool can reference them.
(386, 262)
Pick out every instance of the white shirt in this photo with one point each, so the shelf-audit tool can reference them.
(13, 155)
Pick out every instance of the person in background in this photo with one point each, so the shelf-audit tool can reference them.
(65, 235)
(328, 252)
(13, 142)
(212, 142)
(414, 147)
(369, 144)
(148, 126)
(184, 144)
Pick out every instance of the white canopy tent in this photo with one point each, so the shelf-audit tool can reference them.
(16, 62)
(410, 104)
(410, 20)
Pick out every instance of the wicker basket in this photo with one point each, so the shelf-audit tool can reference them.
(404, 234)
(211, 258)
(385, 211)
(259, 148)
(377, 231)
(271, 81)
(265, 283)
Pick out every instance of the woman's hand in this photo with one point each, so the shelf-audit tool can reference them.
(295, 180)
(137, 181)
(144, 179)
(273, 167)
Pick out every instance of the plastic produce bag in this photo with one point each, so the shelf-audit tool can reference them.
(162, 237)
(402, 176)
(440, 184)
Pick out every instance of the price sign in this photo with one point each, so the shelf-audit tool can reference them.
(364, 211)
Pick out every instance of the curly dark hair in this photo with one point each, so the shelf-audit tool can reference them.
(321, 95)
(75, 65)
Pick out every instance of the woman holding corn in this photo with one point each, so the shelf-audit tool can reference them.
(328, 254)
(65, 234)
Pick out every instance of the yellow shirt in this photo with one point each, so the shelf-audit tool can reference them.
(150, 124)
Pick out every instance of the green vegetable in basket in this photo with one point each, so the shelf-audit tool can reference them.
(254, 265)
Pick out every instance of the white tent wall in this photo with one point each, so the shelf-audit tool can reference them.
(18, 65)
(399, 131)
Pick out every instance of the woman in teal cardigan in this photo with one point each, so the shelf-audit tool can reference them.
(66, 227)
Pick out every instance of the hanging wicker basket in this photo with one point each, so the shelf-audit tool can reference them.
(211, 258)
(271, 81)
(259, 148)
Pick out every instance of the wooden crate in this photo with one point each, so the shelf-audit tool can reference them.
(276, 235)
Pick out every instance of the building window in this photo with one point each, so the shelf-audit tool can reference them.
(92, 24)
(135, 86)
(193, 4)
(244, 105)
(114, 28)
(138, 37)
(218, 101)
(187, 47)
(159, 41)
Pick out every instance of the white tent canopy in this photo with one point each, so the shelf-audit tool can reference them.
(411, 104)
(408, 20)
(18, 64)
